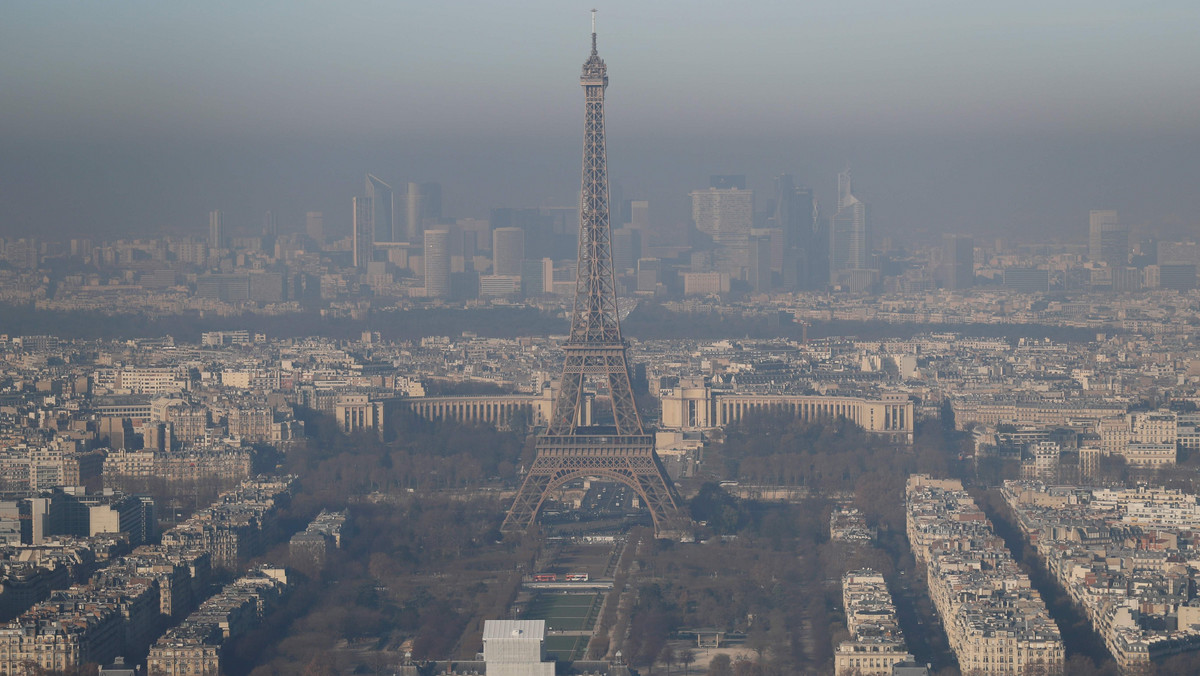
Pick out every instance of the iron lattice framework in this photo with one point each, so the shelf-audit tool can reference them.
(623, 453)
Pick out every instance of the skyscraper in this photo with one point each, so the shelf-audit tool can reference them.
(639, 214)
(422, 207)
(548, 275)
(363, 233)
(796, 217)
(270, 224)
(727, 181)
(437, 263)
(314, 226)
(508, 250)
(539, 236)
(532, 274)
(381, 199)
(1108, 240)
(626, 248)
(849, 235)
(759, 275)
(726, 215)
(649, 271)
(216, 230)
(958, 261)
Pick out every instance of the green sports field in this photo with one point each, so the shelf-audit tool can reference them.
(566, 648)
(565, 612)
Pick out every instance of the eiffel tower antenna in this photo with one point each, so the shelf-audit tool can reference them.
(571, 447)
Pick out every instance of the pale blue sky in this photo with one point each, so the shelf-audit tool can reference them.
(400, 68)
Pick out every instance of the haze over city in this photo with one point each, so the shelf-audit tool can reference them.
(140, 117)
(454, 339)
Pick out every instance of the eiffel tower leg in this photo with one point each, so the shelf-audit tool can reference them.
(561, 460)
(527, 501)
(662, 501)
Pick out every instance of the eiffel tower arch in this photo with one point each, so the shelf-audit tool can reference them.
(622, 452)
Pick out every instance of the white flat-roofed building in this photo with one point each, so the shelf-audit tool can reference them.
(140, 380)
(515, 648)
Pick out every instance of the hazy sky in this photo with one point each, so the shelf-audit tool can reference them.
(133, 116)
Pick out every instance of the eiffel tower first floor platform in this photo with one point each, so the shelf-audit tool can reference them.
(625, 459)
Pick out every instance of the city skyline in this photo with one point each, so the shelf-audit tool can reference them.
(1020, 119)
(311, 423)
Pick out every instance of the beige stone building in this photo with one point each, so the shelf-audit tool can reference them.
(996, 623)
(694, 405)
(876, 642)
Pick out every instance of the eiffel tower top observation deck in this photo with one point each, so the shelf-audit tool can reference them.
(594, 70)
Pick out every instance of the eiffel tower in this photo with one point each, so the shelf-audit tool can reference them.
(567, 451)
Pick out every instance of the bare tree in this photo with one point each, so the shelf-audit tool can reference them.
(686, 657)
(667, 657)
